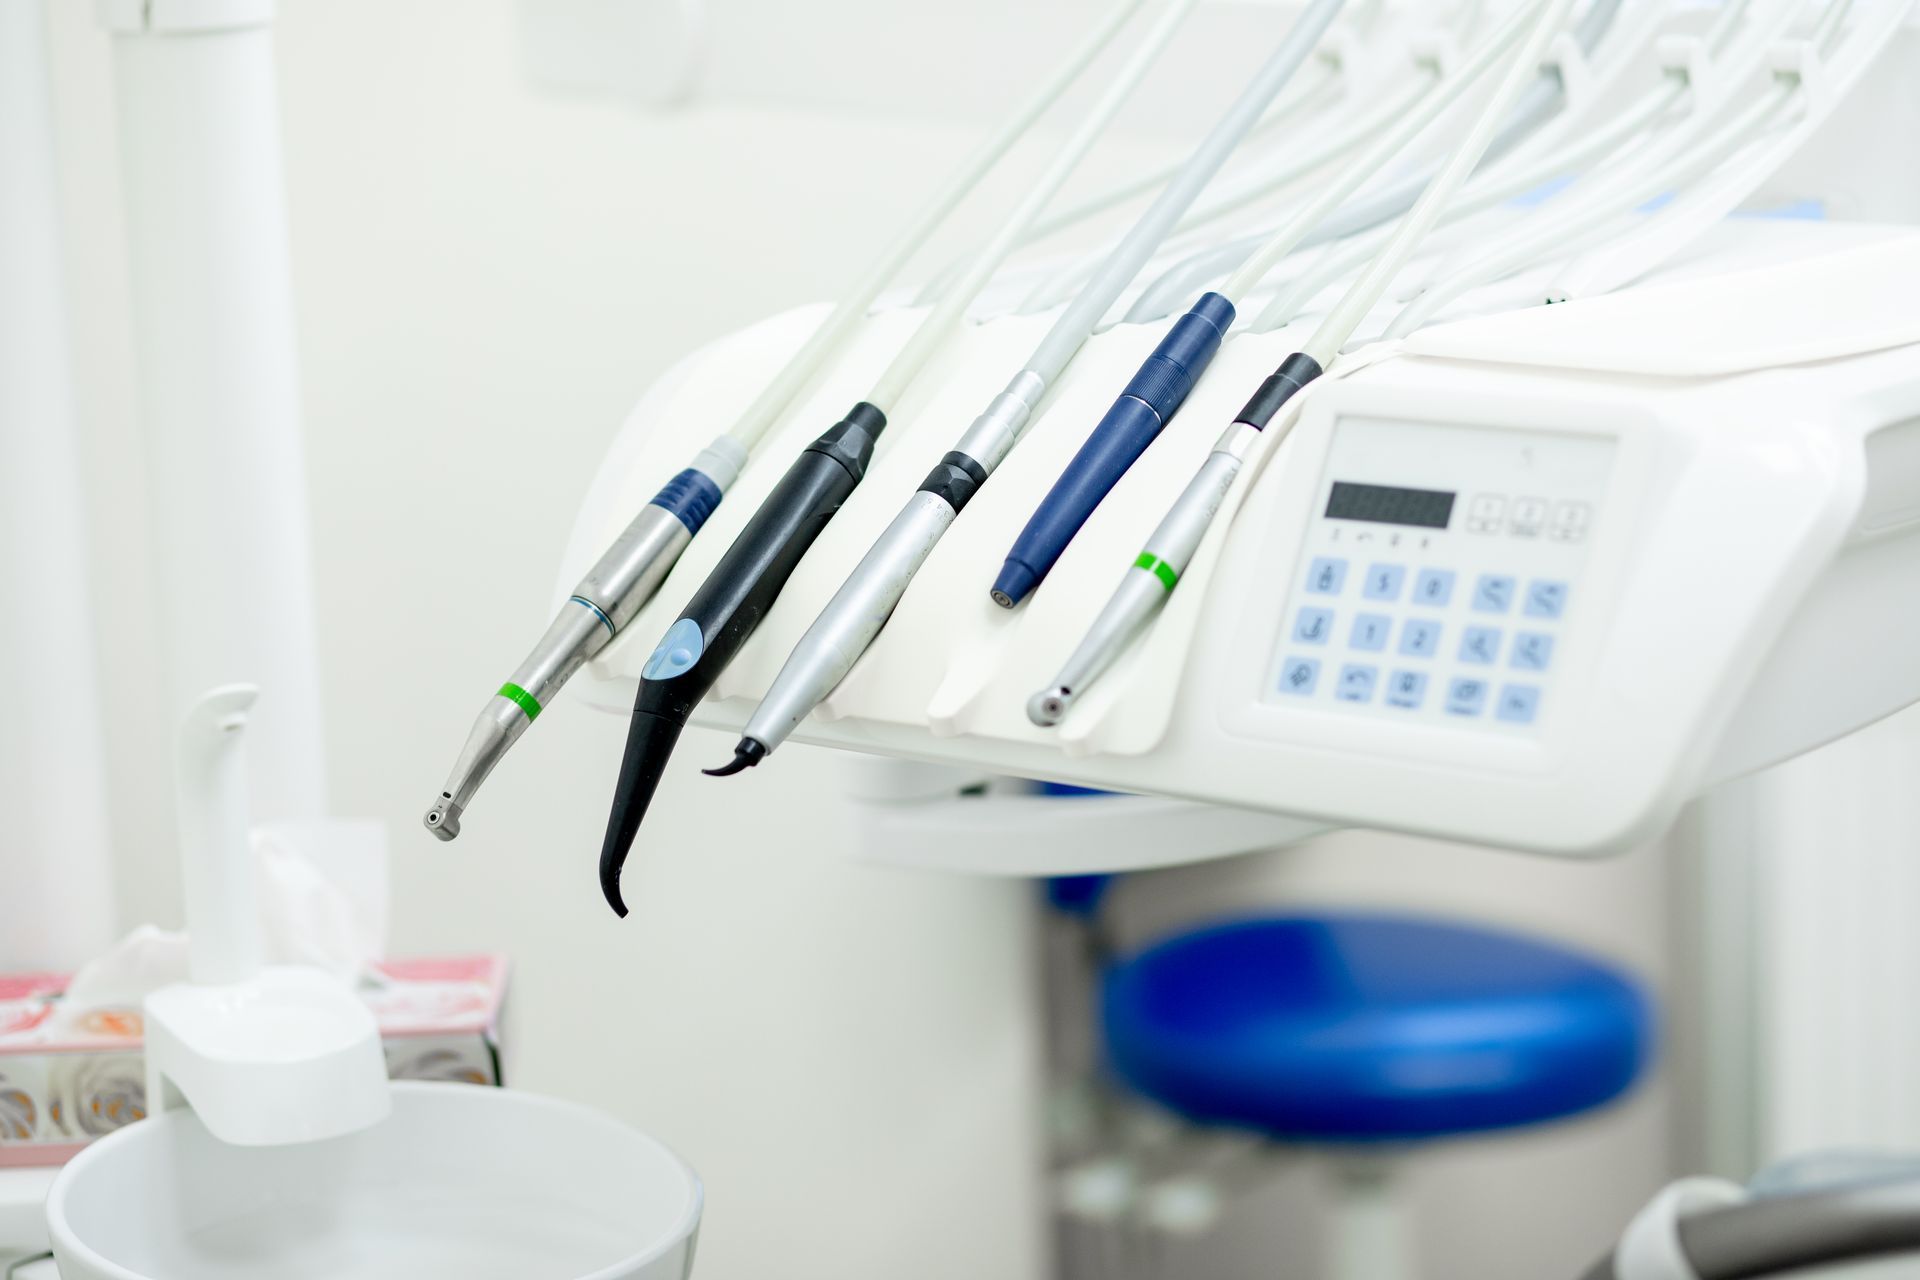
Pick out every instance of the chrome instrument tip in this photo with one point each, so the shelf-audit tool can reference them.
(443, 819)
(1049, 707)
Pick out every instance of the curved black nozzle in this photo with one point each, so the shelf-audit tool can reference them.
(722, 615)
(650, 741)
(749, 753)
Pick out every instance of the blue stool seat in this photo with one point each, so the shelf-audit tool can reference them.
(1349, 1028)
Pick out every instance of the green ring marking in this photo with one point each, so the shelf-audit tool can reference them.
(522, 699)
(1158, 568)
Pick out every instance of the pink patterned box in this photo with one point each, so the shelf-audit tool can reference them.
(69, 1077)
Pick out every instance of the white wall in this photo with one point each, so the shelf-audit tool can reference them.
(487, 281)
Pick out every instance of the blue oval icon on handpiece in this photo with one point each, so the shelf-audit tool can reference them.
(678, 650)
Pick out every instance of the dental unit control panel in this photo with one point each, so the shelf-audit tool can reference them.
(1531, 580)
(1434, 584)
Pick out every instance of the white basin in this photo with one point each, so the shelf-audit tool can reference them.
(460, 1181)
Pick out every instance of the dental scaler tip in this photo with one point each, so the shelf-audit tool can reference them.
(748, 754)
(1049, 707)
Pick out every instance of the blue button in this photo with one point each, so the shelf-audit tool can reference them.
(1546, 599)
(1480, 645)
(1406, 689)
(1493, 593)
(1370, 632)
(1326, 577)
(677, 651)
(1518, 704)
(1299, 676)
(1466, 697)
(1531, 651)
(1434, 587)
(1313, 626)
(1356, 683)
(1420, 639)
(1384, 581)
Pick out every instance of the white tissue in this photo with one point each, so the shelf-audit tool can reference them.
(322, 890)
(323, 893)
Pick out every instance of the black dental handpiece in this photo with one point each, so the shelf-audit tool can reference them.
(722, 616)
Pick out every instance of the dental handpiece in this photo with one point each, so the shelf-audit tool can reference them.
(723, 615)
(859, 611)
(614, 590)
(1147, 403)
(1171, 547)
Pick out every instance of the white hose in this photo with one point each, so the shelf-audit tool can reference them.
(1384, 147)
(778, 394)
(938, 325)
(1360, 299)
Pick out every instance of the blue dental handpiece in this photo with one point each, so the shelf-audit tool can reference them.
(1148, 403)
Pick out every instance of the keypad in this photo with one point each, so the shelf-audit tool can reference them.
(1440, 571)
(1424, 641)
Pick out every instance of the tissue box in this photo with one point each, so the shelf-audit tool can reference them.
(68, 1077)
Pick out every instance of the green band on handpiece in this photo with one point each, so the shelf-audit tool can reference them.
(521, 698)
(1158, 568)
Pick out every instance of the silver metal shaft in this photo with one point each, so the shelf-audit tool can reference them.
(1150, 580)
(613, 591)
(851, 620)
(864, 602)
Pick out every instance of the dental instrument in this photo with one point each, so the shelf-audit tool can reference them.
(1151, 400)
(626, 576)
(860, 609)
(730, 604)
(1155, 573)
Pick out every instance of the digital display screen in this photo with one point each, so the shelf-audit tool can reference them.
(1384, 504)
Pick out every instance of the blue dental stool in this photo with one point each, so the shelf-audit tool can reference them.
(1355, 1036)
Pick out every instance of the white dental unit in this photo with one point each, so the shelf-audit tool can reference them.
(1537, 578)
(1533, 580)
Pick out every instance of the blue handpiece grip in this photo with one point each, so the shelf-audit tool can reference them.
(1146, 406)
(691, 496)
